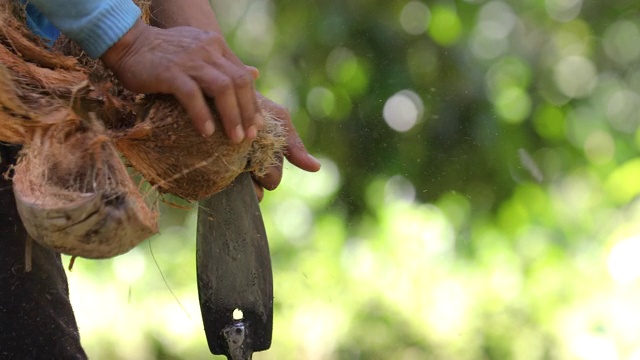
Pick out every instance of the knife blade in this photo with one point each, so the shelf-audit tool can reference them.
(235, 281)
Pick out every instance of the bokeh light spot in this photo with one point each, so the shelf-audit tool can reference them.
(293, 219)
(594, 347)
(623, 183)
(581, 122)
(599, 147)
(341, 64)
(445, 27)
(129, 268)
(496, 20)
(321, 102)
(575, 76)
(621, 42)
(256, 33)
(403, 110)
(573, 38)
(563, 10)
(344, 68)
(623, 111)
(549, 122)
(513, 104)
(507, 73)
(485, 47)
(622, 262)
(415, 17)
(398, 188)
(316, 188)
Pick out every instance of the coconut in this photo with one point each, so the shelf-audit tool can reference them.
(156, 136)
(93, 211)
(73, 118)
(176, 159)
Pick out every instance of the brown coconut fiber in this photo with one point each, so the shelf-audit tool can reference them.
(74, 121)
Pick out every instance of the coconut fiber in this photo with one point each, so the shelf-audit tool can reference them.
(76, 123)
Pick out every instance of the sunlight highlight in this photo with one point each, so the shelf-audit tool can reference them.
(575, 76)
(593, 347)
(403, 110)
(415, 17)
(621, 42)
(622, 262)
(398, 188)
(321, 102)
(563, 10)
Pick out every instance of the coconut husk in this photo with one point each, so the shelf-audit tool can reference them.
(93, 211)
(72, 117)
(176, 159)
(156, 136)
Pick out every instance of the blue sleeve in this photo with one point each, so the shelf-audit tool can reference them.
(94, 24)
(40, 25)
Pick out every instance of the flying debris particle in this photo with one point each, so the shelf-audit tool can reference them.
(530, 165)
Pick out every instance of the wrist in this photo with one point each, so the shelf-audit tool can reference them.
(94, 25)
(114, 56)
(194, 13)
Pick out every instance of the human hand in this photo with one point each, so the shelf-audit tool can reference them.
(295, 151)
(190, 64)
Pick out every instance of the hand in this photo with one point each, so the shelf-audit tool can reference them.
(295, 152)
(190, 64)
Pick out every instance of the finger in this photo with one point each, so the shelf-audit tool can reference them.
(298, 155)
(255, 73)
(296, 152)
(272, 178)
(252, 119)
(259, 190)
(220, 87)
(188, 93)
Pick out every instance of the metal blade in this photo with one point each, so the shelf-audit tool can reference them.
(234, 272)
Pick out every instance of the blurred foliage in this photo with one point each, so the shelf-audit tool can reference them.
(478, 198)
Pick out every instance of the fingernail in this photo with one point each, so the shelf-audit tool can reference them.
(259, 120)
(208, 128)
(252, 132)
(239, 133)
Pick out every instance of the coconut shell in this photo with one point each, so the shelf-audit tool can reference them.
(92, 211)
(95, 226)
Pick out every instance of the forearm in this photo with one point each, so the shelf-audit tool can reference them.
(194, 13)
(94, 24)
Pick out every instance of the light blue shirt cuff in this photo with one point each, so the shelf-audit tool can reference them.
(94, 24)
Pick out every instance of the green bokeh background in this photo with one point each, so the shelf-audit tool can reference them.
(478, 197)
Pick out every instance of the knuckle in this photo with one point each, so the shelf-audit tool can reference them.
(295, 143)
(222, 85)
(214, 39)
(242, 79)
(189, 89)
